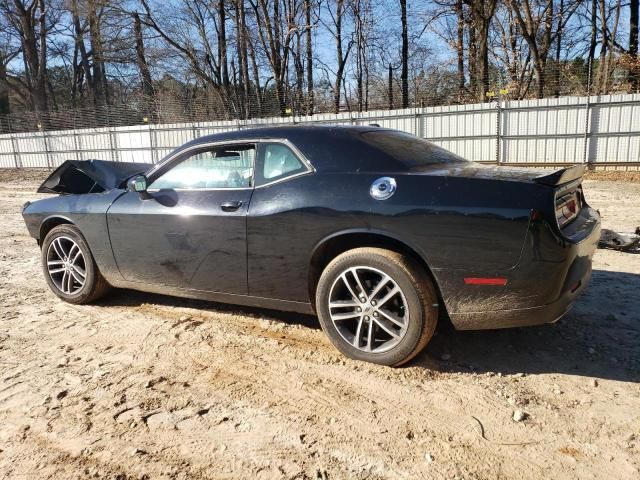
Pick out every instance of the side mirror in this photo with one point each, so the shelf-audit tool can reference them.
(137, 184)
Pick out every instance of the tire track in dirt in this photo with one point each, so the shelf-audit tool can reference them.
(318, 402)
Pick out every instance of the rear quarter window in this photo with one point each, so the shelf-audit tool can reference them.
(412, 152)
(277, 162)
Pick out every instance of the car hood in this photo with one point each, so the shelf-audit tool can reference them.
(90, 176)
(517, 174)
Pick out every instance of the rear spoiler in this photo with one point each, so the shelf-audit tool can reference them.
(562, 176)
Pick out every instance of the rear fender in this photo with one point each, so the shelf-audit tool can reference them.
(363, 237)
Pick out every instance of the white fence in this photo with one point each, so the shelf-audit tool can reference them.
(602, 131)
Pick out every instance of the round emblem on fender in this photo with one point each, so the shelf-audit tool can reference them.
(383, 188)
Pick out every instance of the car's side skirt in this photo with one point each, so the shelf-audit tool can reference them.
(229, 298)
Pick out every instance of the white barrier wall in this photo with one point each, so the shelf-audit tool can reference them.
(602, 130)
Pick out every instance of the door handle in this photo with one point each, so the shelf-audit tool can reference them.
(231, 206)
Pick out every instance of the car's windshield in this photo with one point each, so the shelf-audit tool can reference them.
(411, 151)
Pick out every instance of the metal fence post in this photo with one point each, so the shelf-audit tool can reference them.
(113, 143)
(587, 131)
(498, 124)
(587, 118)
(15, 146)
(16, 151)
(115, 153)
(77, 145)
(45, 137)
(152, 144)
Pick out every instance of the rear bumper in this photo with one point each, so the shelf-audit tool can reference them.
(572, 275)
(521, 317)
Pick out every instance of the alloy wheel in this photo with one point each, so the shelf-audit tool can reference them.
(66, 265)
(368, 309)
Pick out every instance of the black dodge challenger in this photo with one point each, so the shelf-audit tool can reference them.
(376, 231)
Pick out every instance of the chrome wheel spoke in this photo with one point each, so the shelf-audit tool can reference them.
(369, 345)
(397, 320)
(58, 249)
(387, 328)
(72, 252)
(358, 334)
(388, 296)
(79, 270)
(76, 257)
(344, 304)
(354, 272)
(344, 316)
(69, 282)
(63, 283)
(379, 286)
(77, 276)
(346, 283)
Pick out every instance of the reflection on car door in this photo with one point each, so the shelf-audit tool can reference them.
(189, 231)
(278, 228)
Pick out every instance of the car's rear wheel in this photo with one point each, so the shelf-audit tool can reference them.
(69, 267)
(377, 305)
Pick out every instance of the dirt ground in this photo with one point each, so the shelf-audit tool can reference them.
(146, 386)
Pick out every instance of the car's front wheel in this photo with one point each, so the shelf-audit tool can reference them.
(377, 305)
(69, 268)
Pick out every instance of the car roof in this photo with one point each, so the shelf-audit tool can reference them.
(329, 148)
(284, 131)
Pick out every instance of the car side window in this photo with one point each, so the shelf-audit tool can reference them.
(277, 161)
(228, 166)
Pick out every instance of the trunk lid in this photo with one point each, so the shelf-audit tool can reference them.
(562, 176)
(548, 177)
(564, 185)
(90, 176)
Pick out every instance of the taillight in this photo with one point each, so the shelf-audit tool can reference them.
(567, 208)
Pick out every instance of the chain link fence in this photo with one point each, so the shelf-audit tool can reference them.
(601, 131)
(173, 102)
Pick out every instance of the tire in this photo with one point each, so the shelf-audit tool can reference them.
(411, 313)
(63, 277)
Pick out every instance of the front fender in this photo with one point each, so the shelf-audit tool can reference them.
(85, 211)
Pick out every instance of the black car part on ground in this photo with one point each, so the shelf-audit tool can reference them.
(90, 176)
(625, 242)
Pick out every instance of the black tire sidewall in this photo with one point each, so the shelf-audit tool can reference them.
(393, 265)
(90, 268)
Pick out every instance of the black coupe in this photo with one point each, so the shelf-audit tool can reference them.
(377, 231)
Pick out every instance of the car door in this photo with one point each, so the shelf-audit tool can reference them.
(188, 230)
(282, 223)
